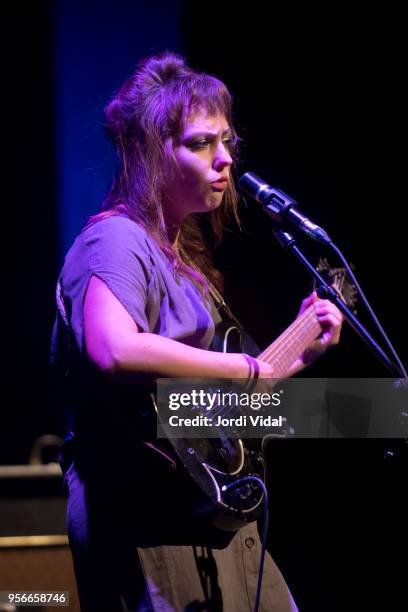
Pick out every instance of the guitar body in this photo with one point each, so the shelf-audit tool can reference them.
(222, 467)
(229, 338)
(218, 464)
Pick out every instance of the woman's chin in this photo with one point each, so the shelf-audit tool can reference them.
(214, 201)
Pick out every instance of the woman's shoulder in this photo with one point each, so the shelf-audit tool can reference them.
(114, 239)
(117, 227)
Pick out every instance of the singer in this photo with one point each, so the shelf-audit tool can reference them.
(134, 302)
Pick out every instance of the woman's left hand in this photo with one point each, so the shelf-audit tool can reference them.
(330, 319)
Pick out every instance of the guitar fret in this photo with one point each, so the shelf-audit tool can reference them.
(289, 345)
(292, 333)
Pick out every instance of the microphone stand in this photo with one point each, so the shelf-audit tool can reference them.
(326, 292)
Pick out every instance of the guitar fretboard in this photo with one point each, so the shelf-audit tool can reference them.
(282, 353)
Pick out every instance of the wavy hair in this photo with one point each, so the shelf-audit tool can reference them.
(142, 119)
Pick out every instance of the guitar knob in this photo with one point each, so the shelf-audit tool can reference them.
(244, 492)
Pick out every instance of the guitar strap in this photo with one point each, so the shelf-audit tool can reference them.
(222, 307)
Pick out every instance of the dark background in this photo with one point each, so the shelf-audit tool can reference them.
(319, 104)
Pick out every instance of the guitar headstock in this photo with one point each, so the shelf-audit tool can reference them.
(340, 280)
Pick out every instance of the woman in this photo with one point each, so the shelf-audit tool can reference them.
(134, 304)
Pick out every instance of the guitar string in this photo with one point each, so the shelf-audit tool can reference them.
(299, 322)
(308, 325)
(284, 358)
(288, 341)
(292, 332)
(289, 344)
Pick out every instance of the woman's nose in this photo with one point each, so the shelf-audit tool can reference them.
(222, 158)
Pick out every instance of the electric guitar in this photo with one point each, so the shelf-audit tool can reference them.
(218, 465)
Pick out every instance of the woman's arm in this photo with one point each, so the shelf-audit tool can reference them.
(114, 344)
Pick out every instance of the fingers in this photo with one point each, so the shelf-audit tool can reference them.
(320, 305)
(331, 320)
(325, 307)
(331, 329)
(309, 300)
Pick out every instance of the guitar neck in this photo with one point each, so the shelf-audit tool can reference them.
(283, 352)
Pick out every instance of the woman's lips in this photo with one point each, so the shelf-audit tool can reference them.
(219, 185)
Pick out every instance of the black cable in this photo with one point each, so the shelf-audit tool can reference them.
(370, 310)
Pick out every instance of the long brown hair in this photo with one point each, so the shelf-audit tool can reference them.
(145, 114)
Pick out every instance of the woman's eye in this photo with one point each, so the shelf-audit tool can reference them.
(199, 144)
(205, 142)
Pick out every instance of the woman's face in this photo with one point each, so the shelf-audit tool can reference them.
(199, 179)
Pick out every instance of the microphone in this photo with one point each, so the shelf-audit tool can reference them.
(280, 206)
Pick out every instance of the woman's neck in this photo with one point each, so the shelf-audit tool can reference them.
(173, 232)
